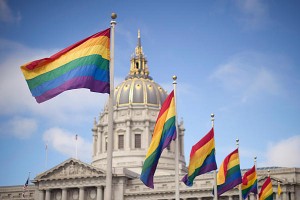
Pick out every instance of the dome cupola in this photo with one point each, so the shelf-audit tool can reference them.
(139, 89)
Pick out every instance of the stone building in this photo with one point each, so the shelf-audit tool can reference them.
(138, 100)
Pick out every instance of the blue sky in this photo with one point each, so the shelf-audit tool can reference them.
(237, 59)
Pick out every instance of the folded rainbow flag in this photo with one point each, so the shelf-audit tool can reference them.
(229, 174)
(164, 132)
(249, 182)
(202, 158)
(84, 64)
(266, 191)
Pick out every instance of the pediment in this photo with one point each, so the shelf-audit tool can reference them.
(273, 179)
(71, 168)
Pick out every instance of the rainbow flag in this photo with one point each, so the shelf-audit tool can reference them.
(84, 64)
(229, 174)
(164, 132)
(249, 182)
(202, 158)
(266, 191)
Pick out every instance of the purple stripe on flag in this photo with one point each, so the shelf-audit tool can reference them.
(79, 82)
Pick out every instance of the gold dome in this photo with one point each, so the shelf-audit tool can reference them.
(139, 89)
(139, 92)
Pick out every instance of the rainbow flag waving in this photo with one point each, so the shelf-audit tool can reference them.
(164, 132)
(84, 64)
(266, 191)
(202, 158)
(249, 182)
(229, 174)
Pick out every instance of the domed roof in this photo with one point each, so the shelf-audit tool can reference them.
(139, 89)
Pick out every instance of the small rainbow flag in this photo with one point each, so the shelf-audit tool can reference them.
(84, 64)
(266, 191)
(202, 158)
(229, 174)
(249, 182)
(164, 132)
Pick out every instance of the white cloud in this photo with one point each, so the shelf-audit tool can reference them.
(254, 13)
(248, 75)
(19, 127)
(77, 105)
(283, 153)
(6, 14)
(64, 142)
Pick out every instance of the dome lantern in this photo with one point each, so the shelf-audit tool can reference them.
(138, 62)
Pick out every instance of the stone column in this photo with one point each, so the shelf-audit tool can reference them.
(41, 195)
(48, 194)
(147, 134)
(127, 137)
(99, 148)
(81, 193)
(277, 197)
(64, 194)
(252, 196)
(99, 193)
(229, 197)
(292, 195)
(284, 195)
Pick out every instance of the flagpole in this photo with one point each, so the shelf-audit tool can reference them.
(46, 161)
(76, 155)
(278, 189)
(108, 189)
(176, 145)
(240, 185)
(215, 172)
(257, 196)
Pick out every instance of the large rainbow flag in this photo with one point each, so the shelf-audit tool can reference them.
(84, 64)
(164, 132)
(202, 158)
(249, 182)
(229, 174)
(266, 191)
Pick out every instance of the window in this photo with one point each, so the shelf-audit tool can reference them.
(121, 142)
(137, 141)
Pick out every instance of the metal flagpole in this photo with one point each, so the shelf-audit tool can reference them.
(176, 145)
(76, 155)
(46, 161)
(215, 172)
(240, 185)
(108, 189)
(257, 196)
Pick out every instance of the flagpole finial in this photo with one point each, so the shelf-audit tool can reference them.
(174, 79)
(255, 158)
(212, 116)
(237, 142)
(113, 21)
(113, 16)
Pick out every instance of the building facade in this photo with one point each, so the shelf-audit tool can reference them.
(138, 100)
